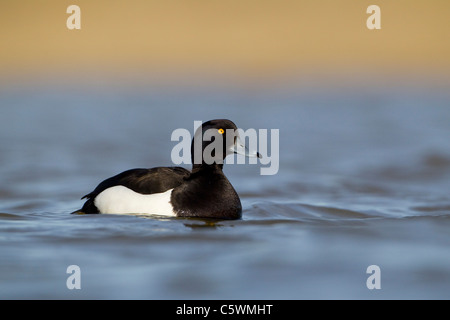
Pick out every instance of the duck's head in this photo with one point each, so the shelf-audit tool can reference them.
(216, 139)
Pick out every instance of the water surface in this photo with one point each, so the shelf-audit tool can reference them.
(364, 180)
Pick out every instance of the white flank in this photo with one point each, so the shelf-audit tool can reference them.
(121, 200)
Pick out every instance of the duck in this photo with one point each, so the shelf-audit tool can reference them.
(202, 192)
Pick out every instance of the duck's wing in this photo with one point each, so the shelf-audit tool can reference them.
(144, 181)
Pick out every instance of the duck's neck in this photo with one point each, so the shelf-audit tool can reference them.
(207, 167)
(206, 170)
(197, 155)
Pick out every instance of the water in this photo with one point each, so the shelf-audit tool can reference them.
(364, 180)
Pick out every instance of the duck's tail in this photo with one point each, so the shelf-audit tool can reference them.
(88, 207)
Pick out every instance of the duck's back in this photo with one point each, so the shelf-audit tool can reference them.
(141, 181)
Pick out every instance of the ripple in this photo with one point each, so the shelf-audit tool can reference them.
(302, 212)
(444, 209)
(10, 216)
(437, 161)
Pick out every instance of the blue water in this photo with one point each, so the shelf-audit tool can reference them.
(364, 179)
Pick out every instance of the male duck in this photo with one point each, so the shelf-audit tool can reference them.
(204, 192)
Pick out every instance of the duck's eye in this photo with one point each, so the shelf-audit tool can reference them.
(221, 131)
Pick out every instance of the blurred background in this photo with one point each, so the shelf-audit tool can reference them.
(364, 120)
(251, 41)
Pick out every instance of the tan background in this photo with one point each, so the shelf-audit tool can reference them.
(237, 38)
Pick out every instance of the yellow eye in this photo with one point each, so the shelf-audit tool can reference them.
(221, 131)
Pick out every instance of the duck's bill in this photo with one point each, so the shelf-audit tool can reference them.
(240, 148)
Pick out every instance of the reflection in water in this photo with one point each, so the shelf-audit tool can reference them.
(192, 223)
(204, 224)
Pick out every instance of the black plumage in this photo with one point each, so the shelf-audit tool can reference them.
(204, 192)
